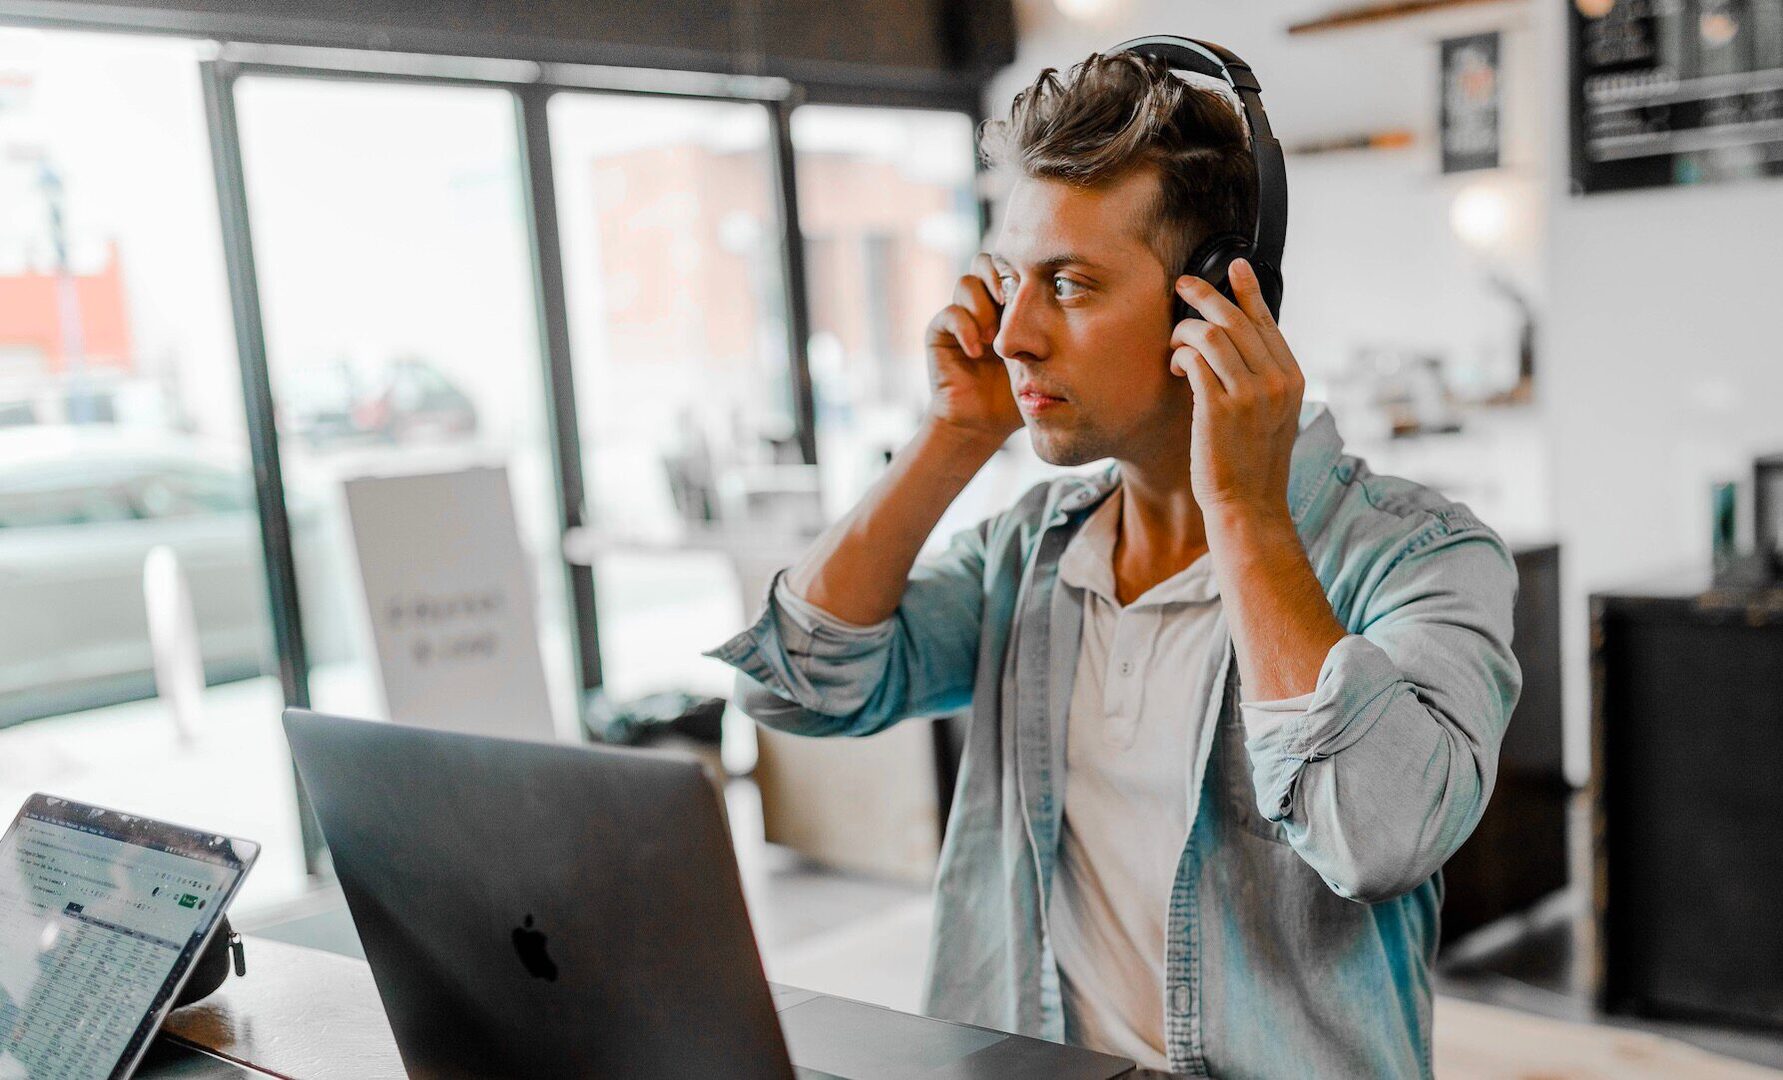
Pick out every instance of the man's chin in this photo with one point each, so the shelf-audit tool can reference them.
(1062, 447)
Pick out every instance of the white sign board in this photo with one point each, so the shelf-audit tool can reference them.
(450, 599)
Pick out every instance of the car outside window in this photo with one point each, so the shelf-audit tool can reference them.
(188, 492)
(60, 502)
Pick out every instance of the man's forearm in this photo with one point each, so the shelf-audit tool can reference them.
(1282, 623)
(857, 569)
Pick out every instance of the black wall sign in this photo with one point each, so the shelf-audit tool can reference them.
(1675, 91)
(1470, 103)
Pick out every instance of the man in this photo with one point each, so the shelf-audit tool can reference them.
(1210, 866)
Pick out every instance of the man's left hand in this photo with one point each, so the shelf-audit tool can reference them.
(1247, 396)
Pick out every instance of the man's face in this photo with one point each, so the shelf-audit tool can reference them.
(1087, 321)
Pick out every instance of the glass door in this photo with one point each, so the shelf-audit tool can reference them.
(123, 455)
(888, 204)
(390, 243)
(671, 237)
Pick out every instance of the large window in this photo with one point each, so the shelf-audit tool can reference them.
(889, 207)
(387, 221)
(390, 243)
(122, 432)
(671, 246)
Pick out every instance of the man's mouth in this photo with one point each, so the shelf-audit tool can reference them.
(1034, 402)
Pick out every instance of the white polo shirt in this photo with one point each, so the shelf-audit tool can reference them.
(1130, 747)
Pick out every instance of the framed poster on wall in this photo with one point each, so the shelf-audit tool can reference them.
(1470, 103)
(1675, 92)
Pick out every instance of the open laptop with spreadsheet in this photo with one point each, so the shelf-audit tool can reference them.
(102, 914)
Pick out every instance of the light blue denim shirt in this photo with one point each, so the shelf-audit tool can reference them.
(1303, 918)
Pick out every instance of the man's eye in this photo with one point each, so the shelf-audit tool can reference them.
(1007, 281)
(1064, 288)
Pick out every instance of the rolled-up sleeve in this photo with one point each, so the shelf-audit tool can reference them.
(1388, 769)
(801, 669)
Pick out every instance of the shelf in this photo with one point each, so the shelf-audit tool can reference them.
(1344, 18)
(1390, 139)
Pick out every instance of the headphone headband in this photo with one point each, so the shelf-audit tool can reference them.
(1270, 233)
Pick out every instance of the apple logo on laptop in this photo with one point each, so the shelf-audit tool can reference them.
(530, 944)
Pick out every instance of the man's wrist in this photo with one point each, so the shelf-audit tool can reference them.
(970, 447)
(1248, 521)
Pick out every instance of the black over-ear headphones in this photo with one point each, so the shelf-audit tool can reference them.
(1263, 249)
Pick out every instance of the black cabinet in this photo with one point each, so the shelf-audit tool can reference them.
(1686, 840)
(1517, 853)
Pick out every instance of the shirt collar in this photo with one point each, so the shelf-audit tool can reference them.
(1088, 563)
(1088, 560)
(1317, 449)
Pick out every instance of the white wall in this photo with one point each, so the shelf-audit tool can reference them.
(1370, 258)
(1658, 363)
(1665, 368)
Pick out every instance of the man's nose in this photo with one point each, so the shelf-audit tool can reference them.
(1022, 333)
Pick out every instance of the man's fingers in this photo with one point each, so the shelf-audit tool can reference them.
(960, 324)
(986, 271)
(973, 295)
(1216, 347)
(980, 291)
(1222, 313)
(1249, 290)
(1184, 359)
(1201, 377)
(1206, 299)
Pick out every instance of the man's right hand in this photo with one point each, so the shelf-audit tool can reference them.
(969, 385)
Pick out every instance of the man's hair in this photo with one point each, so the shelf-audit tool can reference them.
(1115, 113)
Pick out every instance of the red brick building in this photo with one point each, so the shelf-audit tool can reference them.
(32, 341)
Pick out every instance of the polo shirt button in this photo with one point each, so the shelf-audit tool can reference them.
(1126, 667)
(1179, 999)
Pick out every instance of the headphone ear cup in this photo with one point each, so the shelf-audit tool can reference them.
(1212, 262)
(1269, 280)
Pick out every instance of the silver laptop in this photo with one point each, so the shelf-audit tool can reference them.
(535, 910)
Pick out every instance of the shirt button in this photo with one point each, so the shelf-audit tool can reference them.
(1126, 667)
(1179, 999)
